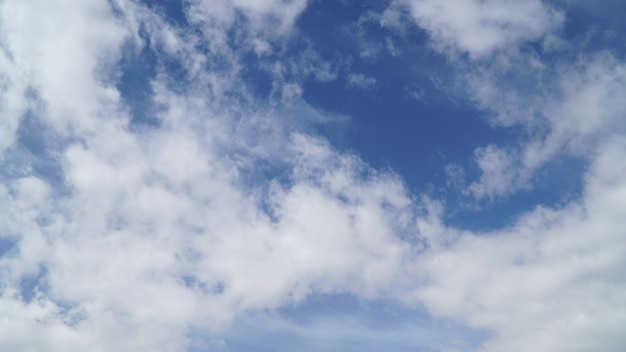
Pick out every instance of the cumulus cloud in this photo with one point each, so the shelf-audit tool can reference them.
(524, 283)
(481, 27)
(568, 114)
(550, 282)
(498, 173)
(40, 44)
(152, 230)
(565, 107)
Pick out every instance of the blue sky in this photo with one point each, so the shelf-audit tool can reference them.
(312, 175)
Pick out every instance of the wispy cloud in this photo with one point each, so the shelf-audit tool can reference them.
(361, 81)
(480, 28)
(225, 205)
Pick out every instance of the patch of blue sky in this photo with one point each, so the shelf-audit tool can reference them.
(406, 120)
(403, 121)
(259, 78)
(416, 140)
(596, 25)
(30, 285)
(137, 68)
(33, 154)
(7, 244)
(340, 323)
(172, 11)
(554, 185)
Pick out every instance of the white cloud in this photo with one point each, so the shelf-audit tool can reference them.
(158, 230)
(164, 210)
(567, 116)
(591, 107)
(551, 282)
(41, 322)
(565, 108)
(499, 175)
(273, 17)
(361, 81)
(481, 27)
(61, 50)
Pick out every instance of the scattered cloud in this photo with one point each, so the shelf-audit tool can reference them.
(479, 28)
(361, 81)
(550, 282)
(499, 175)
(227, 205)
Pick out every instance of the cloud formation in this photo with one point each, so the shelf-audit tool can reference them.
(136, 233)
(479, 28)
(550, 282)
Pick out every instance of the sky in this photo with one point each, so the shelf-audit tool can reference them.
(312, 175)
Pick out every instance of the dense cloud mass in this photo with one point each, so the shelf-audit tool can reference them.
(150, 193)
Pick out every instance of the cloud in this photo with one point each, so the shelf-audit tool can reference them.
(155, 230)
(568, 115)
(40, 40)
(480, 28)
(224, 207)
(551, 281)
(455, 176)
(564, 107)
(590, 108)
(272, 17)
(361, 81)
(498, 173)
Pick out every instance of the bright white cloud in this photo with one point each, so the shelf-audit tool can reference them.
(161, 229)
(551, 282)
(591, 107)
(156, 234)
(566, 107)
(499, 175)
(62, 51)
(568, 116)
(481, 27)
